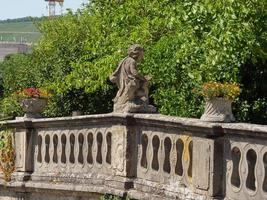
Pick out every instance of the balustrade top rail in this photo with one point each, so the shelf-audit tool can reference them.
(254, 130)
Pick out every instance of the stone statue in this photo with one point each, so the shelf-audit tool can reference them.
(132, 95)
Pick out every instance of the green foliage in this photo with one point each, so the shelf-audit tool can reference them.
(186, 44)
(4, 135)
(7, 154)
(253, 111)
(62, 104)
(18, 73)
(9, 108)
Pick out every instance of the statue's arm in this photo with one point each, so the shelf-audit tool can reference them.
(135, 73)
(114, 76)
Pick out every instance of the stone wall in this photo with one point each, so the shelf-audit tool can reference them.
(9, 194)
(143, 156)
(7, 48)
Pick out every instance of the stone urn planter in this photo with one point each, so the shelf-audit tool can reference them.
(33, 107)
(218, 109)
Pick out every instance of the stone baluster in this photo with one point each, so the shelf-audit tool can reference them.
(60, 151)
(76, 147)
(50, 149)
(90, 144)
(43, 148)
(149, 152)
(55, 157)
(20, 196)
(68, 147)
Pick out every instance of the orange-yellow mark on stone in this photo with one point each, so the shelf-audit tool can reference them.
(186, 154)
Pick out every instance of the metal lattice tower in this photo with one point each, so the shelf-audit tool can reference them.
(52, 6)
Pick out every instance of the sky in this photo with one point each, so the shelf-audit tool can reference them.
(10, 9)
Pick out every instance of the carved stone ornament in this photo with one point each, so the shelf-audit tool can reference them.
(132, 96)
(33, 107)
(218, 110)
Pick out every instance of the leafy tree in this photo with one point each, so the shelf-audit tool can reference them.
(17, 73)
(186, 43)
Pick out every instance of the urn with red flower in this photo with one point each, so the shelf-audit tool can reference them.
(33, 101)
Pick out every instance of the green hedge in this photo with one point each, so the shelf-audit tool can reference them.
(186, 43)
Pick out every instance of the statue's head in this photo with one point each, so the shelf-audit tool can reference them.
(136, 51)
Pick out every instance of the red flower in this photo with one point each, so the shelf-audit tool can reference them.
(33, 93)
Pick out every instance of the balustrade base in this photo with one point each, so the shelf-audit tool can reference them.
(89, 179)
(93, 184)
(21, 176)
(144, 189)
(38, 192)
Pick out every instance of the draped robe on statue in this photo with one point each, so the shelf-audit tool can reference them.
(132, 86)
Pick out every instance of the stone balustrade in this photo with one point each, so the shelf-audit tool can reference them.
(143, 156)
(246, 163)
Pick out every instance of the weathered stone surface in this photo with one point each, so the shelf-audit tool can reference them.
(147, 156)
(246, 172)
(218, 110)
(33, 107)
(202, 150)
(132, 96)
(7, 194)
